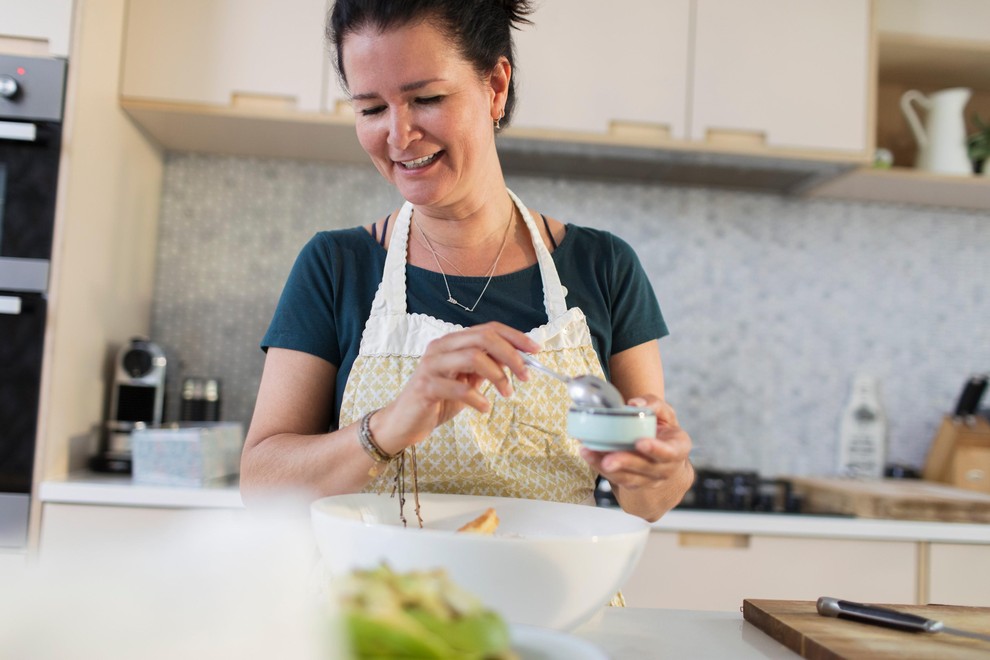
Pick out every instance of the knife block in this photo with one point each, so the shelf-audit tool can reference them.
(960, 454)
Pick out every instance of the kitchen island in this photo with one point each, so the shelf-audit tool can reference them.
(81, 509)
(119, 490)
(695, 560)
(652, 633)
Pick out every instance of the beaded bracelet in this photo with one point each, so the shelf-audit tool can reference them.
(370, 446)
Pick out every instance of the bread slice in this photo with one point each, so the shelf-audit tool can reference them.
(485, 524)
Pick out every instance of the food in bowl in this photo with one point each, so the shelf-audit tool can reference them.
(549, 564)
(611, 429)
(485, 524)
(418, 614)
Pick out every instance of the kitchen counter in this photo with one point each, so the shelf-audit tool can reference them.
(618, 632)
(657, 633)
(816, 525)
(118, 490)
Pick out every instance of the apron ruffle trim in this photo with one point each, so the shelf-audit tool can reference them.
(410, 334)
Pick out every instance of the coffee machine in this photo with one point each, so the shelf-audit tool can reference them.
(137, 400)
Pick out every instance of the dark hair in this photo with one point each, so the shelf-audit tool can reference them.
(480, 29)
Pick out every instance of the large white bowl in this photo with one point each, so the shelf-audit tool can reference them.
(549, 564)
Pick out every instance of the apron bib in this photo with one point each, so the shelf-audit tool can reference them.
(517, 449)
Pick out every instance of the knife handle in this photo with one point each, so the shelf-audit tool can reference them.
(878, 616)
(969, 399)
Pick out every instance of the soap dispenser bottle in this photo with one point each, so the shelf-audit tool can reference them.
(863, 432)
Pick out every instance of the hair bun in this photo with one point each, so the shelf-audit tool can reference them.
(517, 10)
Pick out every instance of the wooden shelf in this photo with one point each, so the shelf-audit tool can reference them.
(248, 131)
(928, 64)
(931, 62)
(256, 132)
(909, 186)
(280, 133)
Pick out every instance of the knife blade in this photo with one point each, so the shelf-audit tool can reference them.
(888, 618)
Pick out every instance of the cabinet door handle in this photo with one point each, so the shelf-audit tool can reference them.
(274, 102)
(712, 540)
(726, 137)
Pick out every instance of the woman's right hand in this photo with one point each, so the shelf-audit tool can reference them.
(449, 377)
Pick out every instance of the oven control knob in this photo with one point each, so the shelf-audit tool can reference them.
(8, 87)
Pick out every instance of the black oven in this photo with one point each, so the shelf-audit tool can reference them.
(31, 98)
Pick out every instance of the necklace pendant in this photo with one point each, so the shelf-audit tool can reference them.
(491, 271)
(454, 301)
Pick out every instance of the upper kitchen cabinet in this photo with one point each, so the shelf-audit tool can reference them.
(588, 68)
(755, 74)
(783, 74)
(242, 77)
(42, 27)
(766, 95)
(225, 52)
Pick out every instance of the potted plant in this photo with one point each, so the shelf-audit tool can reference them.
(978, 145)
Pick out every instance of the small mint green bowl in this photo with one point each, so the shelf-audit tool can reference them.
(611, 429)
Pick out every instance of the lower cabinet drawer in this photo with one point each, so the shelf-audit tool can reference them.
(958, 574)
(699, 571)
(68, 530)
(11, 563)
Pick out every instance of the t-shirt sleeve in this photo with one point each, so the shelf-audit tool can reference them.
(636, 315)
(304, 317)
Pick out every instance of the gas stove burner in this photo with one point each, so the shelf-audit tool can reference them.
(722, 490)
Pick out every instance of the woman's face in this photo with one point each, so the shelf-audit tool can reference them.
(422, 113)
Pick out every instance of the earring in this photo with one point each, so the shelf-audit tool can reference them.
(498, 122)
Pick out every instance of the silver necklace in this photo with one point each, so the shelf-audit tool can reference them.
(491, 271)
(448, 261)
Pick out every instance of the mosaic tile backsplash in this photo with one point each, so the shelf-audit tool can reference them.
(774, 303)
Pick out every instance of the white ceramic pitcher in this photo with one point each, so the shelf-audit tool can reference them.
(942, 139)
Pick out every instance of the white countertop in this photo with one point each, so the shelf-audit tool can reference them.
(627, 632)
(816, 525)
(117, 490)
(120, 490)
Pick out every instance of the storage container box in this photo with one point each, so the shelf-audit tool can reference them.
(187, 455)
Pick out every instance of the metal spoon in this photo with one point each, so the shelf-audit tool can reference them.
(586, 390)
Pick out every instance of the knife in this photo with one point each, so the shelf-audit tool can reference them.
(882, 616)
(969, 399)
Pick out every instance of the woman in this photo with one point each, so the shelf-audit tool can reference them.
(406, 333)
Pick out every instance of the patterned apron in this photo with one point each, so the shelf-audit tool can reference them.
(517, 449)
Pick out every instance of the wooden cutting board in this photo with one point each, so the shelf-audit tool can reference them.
(893, 499)
(797, 625)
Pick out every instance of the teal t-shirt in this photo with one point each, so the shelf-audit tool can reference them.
(328, 295)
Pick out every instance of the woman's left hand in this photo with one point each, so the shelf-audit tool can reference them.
(657, 471)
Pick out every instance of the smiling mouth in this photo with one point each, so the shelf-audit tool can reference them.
(419, 162)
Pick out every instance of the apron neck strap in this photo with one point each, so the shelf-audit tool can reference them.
(393, 284)
(553, 292)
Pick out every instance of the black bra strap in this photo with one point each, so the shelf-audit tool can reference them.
(553, 241)
(374, 231)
